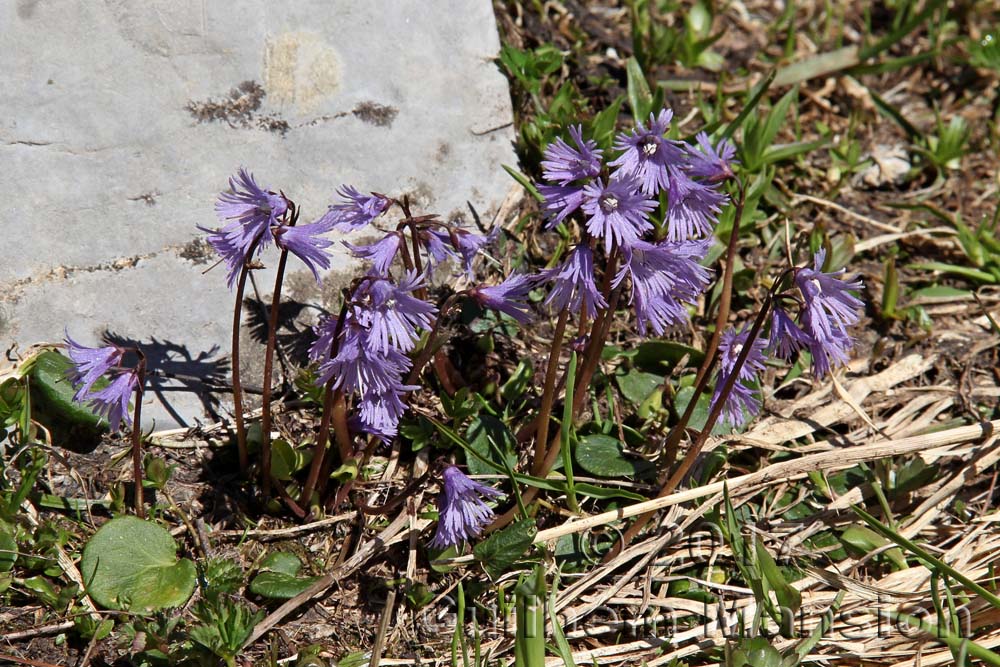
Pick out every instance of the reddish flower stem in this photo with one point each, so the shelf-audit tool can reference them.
(599, 332)
(241, 433)
(598, 335)
(713, 416)
(548, 393)
(265, 415)
(672, 443)
(323, 437)
(140, 371)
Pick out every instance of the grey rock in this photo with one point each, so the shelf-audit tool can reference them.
(120, 122)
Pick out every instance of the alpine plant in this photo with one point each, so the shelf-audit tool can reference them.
(647, 213)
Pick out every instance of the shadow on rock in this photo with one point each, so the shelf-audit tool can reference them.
(174, 368)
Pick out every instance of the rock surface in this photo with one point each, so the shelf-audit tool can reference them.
(121, 121)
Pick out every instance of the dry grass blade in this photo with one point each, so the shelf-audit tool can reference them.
(785, 470)
(389, 535)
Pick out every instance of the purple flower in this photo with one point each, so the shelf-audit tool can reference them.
(664, 277)
(573, 283)
(830, 352)
(692, 207)
(357, 367)
(357, 210)
(251, 212)
(250, 205)
(507, 297)
(564, 164)
(647, 154)
(437, 245)
(618, 212)
(381, 253)
(112, 401)
(379, 412)
(233, 247)
(463, 514)
(713, 164)
(560, 202)
(306, 243)
(324, 332)
(829, 306)
(89, 364)
(468, 245)
(786, 337)
(393, 315)
(742, 403)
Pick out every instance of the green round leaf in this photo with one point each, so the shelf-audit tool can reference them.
(73, 425)
(637, 386)
(283, 562)
(602, 455)
(131, 564)
(278, 585)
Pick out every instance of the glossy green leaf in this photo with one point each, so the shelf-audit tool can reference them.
(866, 540)
(73, 425)
(502, 549)
(662, 355)
(281, 562)
(287, 460)
(640, 99)
(788, 596)
(636, 385)
(8, 552)
(131, 564)
(278, 578)
(603, 456)
(279, 586)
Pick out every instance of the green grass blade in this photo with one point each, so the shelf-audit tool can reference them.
(825, 623)
(755, 98)
(964, 271)
(566, 434)
(887, 109)
(930, 560)
(525, 182)
(952, 641)
(529, 640)
(639, 96)
(819, 65)
(902, 31)
(562, 645)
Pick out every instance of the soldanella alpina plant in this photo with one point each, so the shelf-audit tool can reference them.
(640, 217)
(643, 218)
(122, 385)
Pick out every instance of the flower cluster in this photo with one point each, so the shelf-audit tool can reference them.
(254, 216)
(92, 363)
(364, 351)
(827, 308)
(365, 354)
(664, 274)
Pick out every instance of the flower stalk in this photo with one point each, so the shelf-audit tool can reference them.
(272, 338)
(137, 472)
(241, 431)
